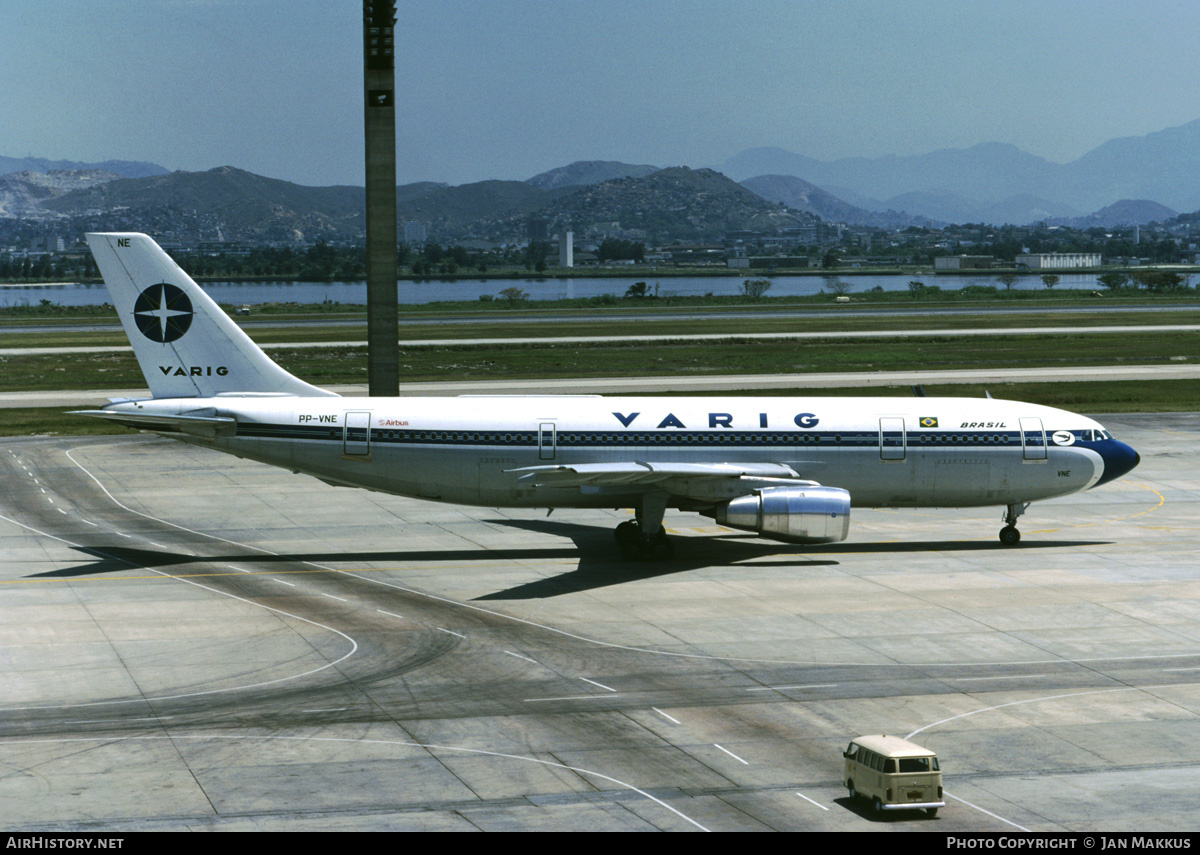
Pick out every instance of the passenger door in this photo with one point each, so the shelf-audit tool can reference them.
(892, 439)
(356, 437)
(1033, 439)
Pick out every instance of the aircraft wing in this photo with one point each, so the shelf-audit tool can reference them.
(669, 476)
(208, 427)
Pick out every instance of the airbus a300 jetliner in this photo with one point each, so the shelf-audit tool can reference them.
(787, 468)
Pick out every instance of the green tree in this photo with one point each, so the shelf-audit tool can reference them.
(1049, 280)
(755, 288)
(1007, 280)
(1113, 281)
(1158, 280)
(514, 295)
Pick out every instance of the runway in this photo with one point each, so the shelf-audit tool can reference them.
(191, 641)
(676, 383)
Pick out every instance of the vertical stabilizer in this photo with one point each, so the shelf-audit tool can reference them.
(185, 344)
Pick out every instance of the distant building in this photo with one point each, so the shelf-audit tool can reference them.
(414, 234)
(963, 262)
(1058, 260)
(539, 229)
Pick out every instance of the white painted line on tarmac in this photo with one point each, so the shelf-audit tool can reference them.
(601, 685)
(571, 698)
(333, 664)
(390, 614)
(810, 801)
(988, 812)
(1005, 677)
(332, 597)
(89, 522)
(731, 754)
(358, 741)
(110, 720)
(451, 632)
(1181, 669)
(791, 688)
(519, 656)
(667, 717)
(123, 534)
(281, 582)
(60, 510)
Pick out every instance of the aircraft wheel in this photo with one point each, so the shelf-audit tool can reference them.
(662, 549)
(627, 531)
(636, 549)
(1010, 535)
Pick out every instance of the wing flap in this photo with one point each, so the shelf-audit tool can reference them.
(641, 474)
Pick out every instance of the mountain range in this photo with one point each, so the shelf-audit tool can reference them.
(1122, 182)
(997, 182)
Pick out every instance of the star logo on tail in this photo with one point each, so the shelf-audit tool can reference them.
(163, 313)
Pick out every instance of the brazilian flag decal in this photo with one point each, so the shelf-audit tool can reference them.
(928, 421)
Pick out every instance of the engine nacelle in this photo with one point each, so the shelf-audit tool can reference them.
(791, 514)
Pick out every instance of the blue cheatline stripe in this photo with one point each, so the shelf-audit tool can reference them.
(566, 438)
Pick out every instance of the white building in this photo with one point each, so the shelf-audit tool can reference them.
(566, 249)
(1058, 260)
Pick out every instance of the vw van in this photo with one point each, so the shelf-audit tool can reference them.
(894, 774)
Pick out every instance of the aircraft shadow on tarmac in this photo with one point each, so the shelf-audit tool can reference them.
(599, 567)
(594, 548)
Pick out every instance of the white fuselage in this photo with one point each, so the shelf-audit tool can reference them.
(887, 452)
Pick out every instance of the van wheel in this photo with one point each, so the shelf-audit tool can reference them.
(853, 792)
(878, 805)
(931, 811)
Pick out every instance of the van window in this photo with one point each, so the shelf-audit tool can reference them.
(916, 764)
(851, 751)
(889, 766)
(876, 762)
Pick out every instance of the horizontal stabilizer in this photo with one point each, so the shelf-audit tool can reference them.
(207, 427)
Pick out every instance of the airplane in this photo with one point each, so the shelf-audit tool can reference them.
(788, 469)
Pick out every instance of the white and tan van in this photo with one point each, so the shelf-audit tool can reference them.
(894, 774)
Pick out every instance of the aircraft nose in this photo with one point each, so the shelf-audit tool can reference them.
(1119, 458)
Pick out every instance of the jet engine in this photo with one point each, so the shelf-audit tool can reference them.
(791, 514)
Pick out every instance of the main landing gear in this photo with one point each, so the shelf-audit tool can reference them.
(643, 539)
(1009, 535)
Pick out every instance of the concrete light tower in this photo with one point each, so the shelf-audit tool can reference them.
(379, 88)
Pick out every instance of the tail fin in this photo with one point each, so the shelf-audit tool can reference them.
(185, 344)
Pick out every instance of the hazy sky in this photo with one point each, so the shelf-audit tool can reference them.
(499, 89)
